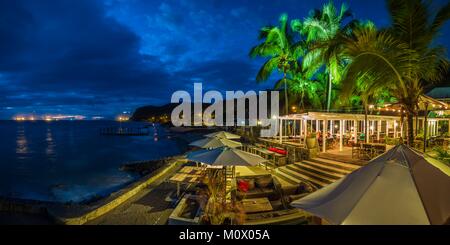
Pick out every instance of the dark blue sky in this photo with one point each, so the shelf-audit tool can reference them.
(102, 57)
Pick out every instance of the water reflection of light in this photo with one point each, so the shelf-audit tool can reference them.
(21, 142)
(50, 150)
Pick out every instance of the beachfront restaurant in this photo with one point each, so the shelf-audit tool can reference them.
(338, 132)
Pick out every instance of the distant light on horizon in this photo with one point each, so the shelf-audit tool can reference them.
(48, 117)
(122, 118)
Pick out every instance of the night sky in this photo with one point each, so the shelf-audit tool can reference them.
(99, 58)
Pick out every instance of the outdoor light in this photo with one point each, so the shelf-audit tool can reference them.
(274, 117)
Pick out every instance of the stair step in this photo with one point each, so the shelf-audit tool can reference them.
(287, 177)
(283, 182)
(324, 167)
(321, 171)
(305, 171)
(308, 177)
(335, 164)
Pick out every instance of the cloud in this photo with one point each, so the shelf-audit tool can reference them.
(106, 56)
(60, 47)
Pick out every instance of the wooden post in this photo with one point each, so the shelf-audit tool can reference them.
(324, 135)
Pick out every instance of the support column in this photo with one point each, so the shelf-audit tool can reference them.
(436, 128)
(324, 135)
(281, 131)
(317, 126)
(387, 129)
(331, 127)
(305, 129)
(378, 130)
(355, 128)
(395, 129)
(431, 128)
(294, 128)
(341, 135)
(300, 132)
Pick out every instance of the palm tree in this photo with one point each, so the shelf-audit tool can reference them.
(321, 29)
(368, 94)
(400, 59)
(282, 52)
(303, 90)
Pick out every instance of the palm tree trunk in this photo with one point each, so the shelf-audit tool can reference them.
(329, 92)
(286, 102)
(366, 126)
(402, 123)
(410, 118)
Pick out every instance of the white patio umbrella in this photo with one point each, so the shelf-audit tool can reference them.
(223, 135)
(211, 143)
(226, 157)
(398, 187)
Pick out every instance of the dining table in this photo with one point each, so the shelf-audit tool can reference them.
(256, 205)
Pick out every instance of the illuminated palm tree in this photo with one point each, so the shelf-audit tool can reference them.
(401, 59)
(304, 90)
(282, 52)
(321, 28)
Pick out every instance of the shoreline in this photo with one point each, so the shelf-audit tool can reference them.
(86, 210)
(80, 213)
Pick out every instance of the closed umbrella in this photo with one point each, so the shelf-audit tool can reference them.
(223, 135)
(398, 187)
(215, 143)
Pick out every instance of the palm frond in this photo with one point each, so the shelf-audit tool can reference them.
(266, 70)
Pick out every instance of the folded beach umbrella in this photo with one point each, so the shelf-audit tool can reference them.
(399, 187)
(225, 156)
(223, 135)
(215, 143)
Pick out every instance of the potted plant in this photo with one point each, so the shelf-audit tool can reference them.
(311, 140)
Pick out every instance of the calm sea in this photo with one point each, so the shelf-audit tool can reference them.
(70, 161)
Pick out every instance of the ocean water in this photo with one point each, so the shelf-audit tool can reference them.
(67, 161)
